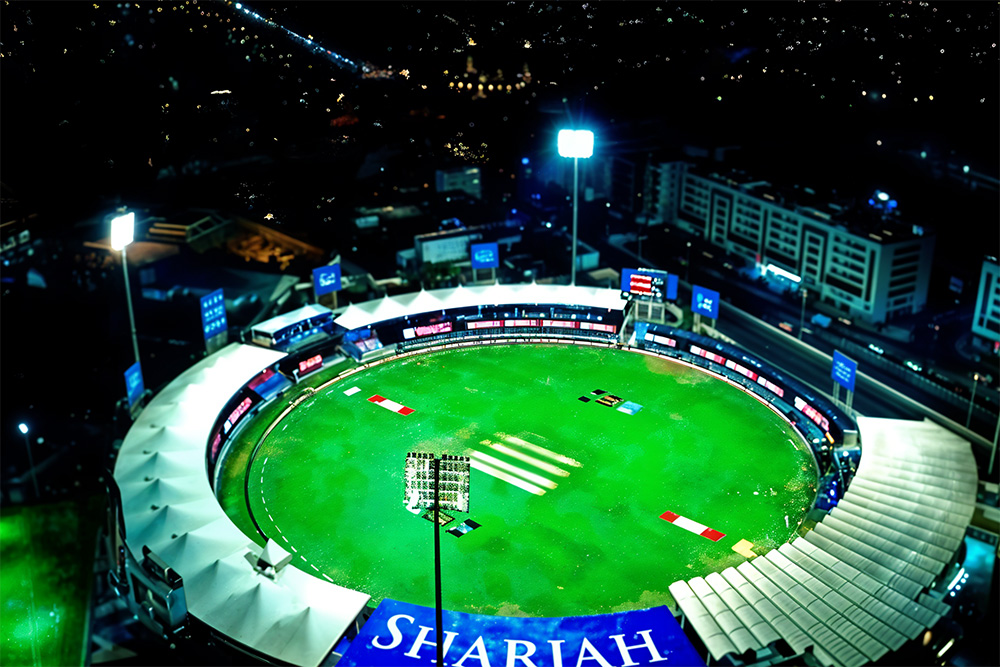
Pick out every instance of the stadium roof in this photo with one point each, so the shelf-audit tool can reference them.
(388, 308)
(168, 505)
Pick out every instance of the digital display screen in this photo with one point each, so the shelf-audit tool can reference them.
(645, 283)
(484, 324)
(521, 323)
(742, 370)
(237, 414)
(310, 364)
(428, 330)
(565, 324)
(812, 413)
(594, 326)
(662, 340)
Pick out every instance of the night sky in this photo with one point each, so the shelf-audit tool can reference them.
(105, 100)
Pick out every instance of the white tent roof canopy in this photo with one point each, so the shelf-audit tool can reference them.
(168, 505)
(387, 308)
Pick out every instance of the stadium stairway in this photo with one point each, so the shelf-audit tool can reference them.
(855, 588)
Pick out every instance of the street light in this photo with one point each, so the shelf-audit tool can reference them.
(23, 428)
(575, 144)
(687, 266)
(802, 319)
(122, 234)
(972, 401)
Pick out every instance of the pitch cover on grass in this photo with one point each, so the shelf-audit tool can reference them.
(400, 634)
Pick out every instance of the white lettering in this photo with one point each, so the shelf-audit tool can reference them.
(556, 652)
(587, 647)
(397, 636)
(420, 641)
(512, 652)
(627, 661)
(479, 646)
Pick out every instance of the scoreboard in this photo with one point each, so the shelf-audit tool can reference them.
(651, 283)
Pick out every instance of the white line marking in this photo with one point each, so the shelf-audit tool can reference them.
(328, 578)
(538, 463)
(547, 453)
(530, 476)
(510, 479)
(688, 524)
(352, 391)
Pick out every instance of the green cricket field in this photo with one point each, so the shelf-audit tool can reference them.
(599, 476)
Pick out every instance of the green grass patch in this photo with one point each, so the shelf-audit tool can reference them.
(47, 556)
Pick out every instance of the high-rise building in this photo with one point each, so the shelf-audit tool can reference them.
(863, 260)
(986, 320)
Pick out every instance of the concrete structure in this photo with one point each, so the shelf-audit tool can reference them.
(986, 319)
(861, 259)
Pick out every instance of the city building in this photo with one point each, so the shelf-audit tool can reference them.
(986, 319)
(463, 179)
(861, 259)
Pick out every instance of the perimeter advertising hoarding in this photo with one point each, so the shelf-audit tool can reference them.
(213, 314)
(134, 384)
(399, 634)
(844, 370)
(705, 301)
(485, 255)
(326, 279)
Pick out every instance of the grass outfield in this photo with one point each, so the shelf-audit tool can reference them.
(568, 493)
(47, 555)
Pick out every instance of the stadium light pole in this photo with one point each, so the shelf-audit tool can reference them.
(972, 401)
(575, 144)
(122, 234)
(23, 428)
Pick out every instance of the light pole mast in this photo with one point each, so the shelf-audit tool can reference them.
(575, 144)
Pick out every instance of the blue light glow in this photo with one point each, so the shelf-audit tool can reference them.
(525, 160)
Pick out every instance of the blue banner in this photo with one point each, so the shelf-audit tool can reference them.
(672, 287)
(705, 301)
(399, 634)
(844, 370)
(485, 255)
(133, 384)
(213, 314)
(326, 279)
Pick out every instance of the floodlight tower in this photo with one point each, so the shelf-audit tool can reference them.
(122, 234)
(575, 144)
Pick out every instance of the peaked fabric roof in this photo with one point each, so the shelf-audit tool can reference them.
(365, 314)
(168, 505)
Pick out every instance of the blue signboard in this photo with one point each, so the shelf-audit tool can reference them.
(672, 286)
(485, 255)
(133, 384)
(326, 279)
(213, 314)
(844, 370)
(399, 634)
(705, 301)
